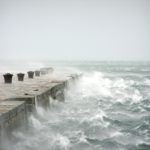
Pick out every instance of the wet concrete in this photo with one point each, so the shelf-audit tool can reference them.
(20, 98)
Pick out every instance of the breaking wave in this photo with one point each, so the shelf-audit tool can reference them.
(102, 110)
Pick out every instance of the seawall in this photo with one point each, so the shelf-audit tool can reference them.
(19, 99)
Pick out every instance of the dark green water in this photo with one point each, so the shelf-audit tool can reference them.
(108, 108)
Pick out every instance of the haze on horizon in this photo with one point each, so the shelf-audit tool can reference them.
(75, 29)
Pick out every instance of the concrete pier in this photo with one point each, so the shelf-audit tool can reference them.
(11, 113)
(19, 98)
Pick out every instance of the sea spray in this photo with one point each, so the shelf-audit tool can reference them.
(107, 108)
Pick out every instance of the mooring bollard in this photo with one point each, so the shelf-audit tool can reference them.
(8, 77)
(37, 73)
(30, 74)
(20, 76)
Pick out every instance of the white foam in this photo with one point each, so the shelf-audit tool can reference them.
(95, 85)
(35, 123)
(60, 142)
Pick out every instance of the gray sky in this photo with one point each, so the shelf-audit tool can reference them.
(75, 29)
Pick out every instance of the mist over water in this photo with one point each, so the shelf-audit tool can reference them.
(107, 108)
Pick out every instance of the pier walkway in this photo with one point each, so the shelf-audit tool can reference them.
(19, 98)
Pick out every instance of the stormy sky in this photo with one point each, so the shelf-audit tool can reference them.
(75, 29)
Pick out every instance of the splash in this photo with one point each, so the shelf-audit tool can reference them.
(102, 110)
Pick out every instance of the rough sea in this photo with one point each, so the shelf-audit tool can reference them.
(107, 108)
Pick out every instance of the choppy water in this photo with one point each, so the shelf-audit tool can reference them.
(108, 108)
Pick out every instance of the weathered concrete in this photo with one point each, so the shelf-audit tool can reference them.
(11, 113)
(30, 87)
(20, 98)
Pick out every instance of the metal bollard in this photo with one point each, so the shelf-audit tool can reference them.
(8, 77)
(20, 76)
(30, 74)
(37, 73)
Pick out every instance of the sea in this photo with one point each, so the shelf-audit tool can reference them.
(106, 108)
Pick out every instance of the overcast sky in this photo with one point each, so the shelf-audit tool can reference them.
(75, 29)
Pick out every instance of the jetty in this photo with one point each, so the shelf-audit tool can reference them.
(19, 99)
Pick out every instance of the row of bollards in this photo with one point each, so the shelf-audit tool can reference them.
(8, 76)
